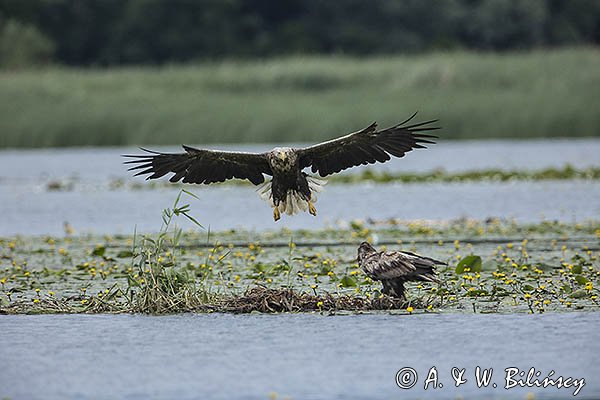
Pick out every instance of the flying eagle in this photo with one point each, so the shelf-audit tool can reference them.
(393, 268)
(290, 190)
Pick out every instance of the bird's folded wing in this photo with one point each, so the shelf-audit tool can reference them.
(366, 146)
(202, 166)
(393, 265)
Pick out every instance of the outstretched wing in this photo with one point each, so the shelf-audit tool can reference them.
(366, 146)
(202, 166)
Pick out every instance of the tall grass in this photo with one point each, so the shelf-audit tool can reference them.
(159, 286)
(476, 95)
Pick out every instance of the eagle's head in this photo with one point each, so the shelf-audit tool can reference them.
(365, 249)
(283, 158)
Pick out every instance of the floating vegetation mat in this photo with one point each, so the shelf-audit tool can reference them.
(494, 266)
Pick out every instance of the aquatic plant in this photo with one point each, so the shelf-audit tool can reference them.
(494, 266)
(158, 285)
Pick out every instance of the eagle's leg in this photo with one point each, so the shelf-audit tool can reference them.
(311, 208)
(276, 213)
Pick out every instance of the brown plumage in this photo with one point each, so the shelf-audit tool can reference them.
(394, 268)
(291, 190)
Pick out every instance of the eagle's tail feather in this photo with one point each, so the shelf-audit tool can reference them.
(315, 185)
(264, 191)
(294, 201)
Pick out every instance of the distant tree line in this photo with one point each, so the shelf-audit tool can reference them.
(109, 32)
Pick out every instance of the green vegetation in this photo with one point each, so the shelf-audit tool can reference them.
(22, 46)
(517, 95)
(495, 175)
(493, 266)
(110, 32)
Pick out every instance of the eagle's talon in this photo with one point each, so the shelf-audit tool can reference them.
(276, 214)
(311, 208)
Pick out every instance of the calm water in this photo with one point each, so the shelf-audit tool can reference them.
(98, 164)
(28, 208)
(303, 356)
(26, 211)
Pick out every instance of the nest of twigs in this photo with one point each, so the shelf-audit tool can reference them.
(267, 300)
(255, 299)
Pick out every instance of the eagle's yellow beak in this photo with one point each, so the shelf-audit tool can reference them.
(281, 155)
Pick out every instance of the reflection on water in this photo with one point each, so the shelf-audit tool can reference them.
(303, 356)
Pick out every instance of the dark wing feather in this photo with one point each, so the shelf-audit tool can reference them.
(405, 265)
(390, 266)
(202, 166)
(366, 146)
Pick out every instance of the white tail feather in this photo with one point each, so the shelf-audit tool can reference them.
(294, 202)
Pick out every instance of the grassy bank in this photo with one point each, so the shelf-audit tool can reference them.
(537, 94)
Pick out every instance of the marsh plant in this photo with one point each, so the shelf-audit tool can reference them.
(158, 285)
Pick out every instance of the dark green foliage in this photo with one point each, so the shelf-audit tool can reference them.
(96, 32)
(470, 263)
(23, 45)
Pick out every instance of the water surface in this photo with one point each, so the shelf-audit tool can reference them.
(28, 207)
(304, 356)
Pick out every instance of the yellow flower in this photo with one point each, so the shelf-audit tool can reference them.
(527, 296)
(409, 309)
(36, 300)
(319, 304)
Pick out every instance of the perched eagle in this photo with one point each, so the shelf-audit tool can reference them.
(290, 190)
(393, 268)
